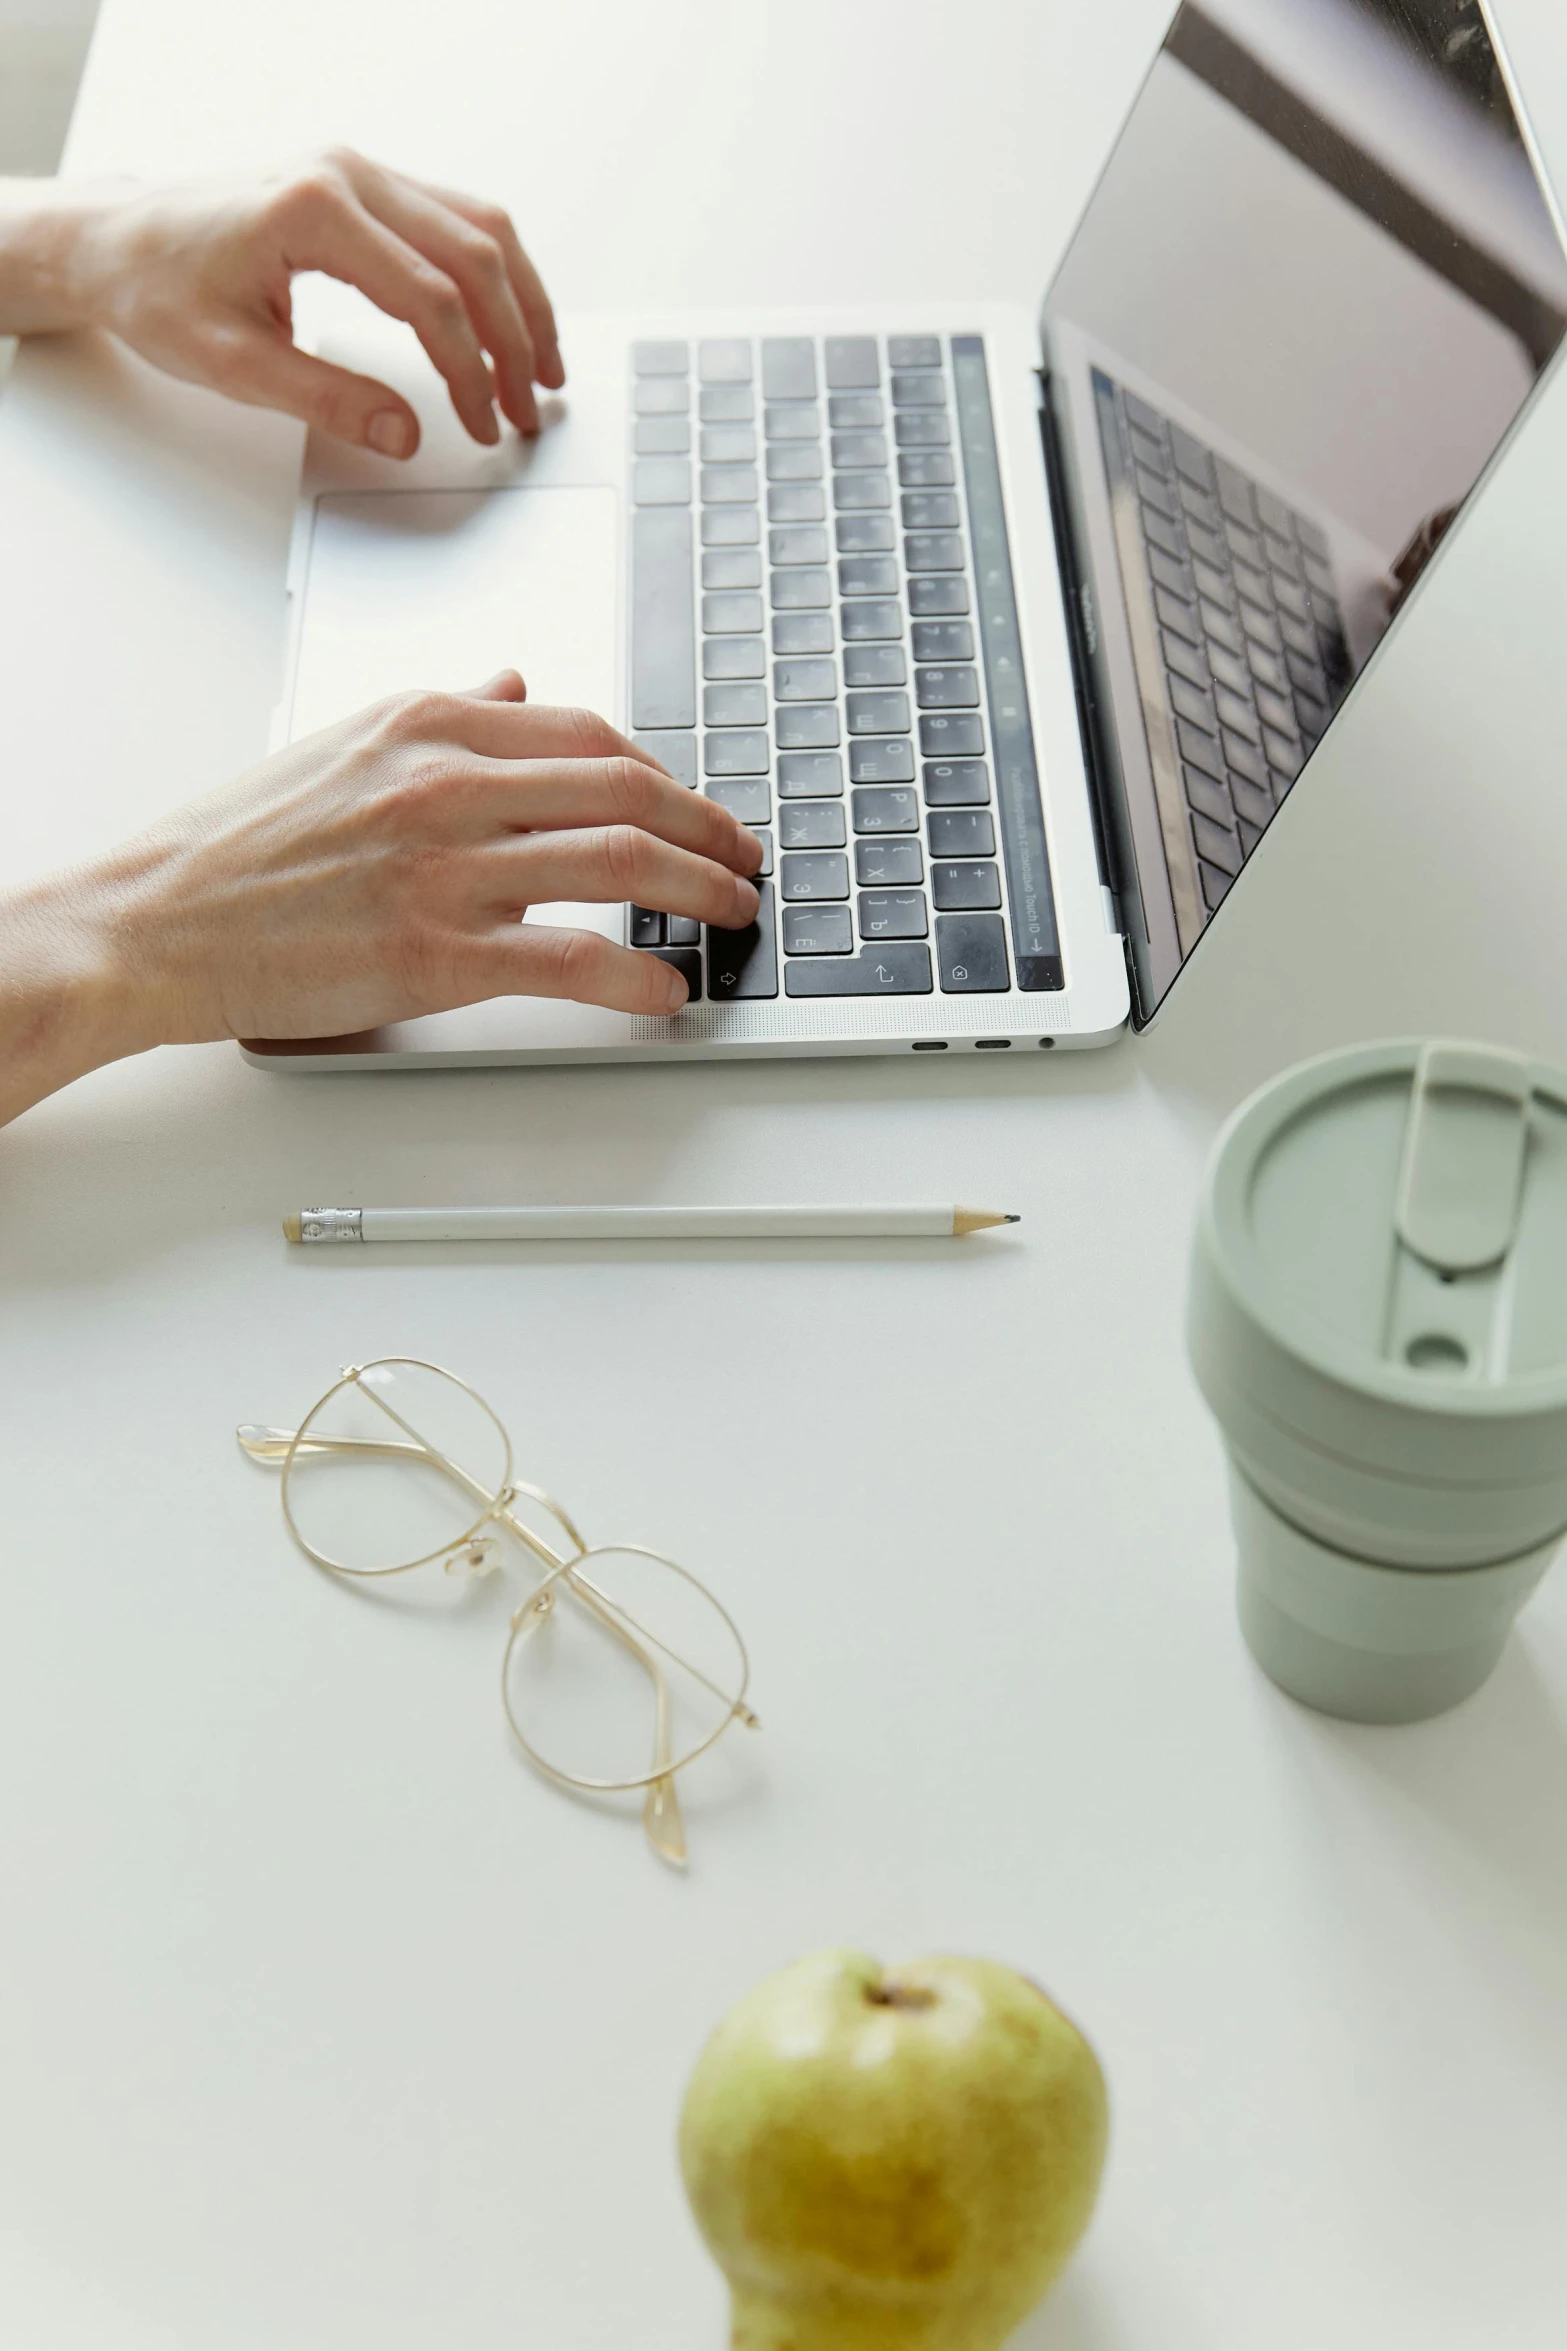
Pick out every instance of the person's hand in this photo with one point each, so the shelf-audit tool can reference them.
(197, 279)
(373, 872)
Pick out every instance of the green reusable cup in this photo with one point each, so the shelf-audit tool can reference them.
(1378, 1320)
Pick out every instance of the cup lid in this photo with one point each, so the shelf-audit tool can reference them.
(1382, 1259)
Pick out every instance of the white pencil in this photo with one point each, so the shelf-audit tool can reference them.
(310, 1225)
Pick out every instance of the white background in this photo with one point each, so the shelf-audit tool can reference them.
(321, 2022)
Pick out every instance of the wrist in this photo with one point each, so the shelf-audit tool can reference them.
(55, 260)
(70, 998)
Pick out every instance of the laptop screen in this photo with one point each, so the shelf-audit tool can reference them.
(1313, 288)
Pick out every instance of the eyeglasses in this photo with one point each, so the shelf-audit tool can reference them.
(620, 1667)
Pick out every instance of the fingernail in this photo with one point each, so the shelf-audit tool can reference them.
(747, 900)
(390, 432)
(676, 993)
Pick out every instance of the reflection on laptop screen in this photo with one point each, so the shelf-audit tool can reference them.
(1311, 292)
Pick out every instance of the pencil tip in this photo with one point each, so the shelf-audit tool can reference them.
(1013, 1219)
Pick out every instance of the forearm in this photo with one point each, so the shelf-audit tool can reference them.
(48, 233)
(67, 1002)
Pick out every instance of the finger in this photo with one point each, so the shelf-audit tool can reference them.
(615, 864)
(545, 731)
(527, 285)
(531, 959)
(339, 236)
(560, 795)
(261, 366)
(506, 686)
(477, 267)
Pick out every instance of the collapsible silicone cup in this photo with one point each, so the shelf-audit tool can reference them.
(1378, 1320)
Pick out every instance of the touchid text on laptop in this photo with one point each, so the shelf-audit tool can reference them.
(1009, 634)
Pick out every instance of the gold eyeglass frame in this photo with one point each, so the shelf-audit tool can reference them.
(476, 1552)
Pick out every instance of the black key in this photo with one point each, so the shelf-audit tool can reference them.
(1230, 672)
(962, 832)
(734, 706)
(1253, 804)
(874, 665)
(921, 428)
(732, 567)
(1234, 492)
(1250, 834)
(1251, 582)
(682, 930)
(958, 736)
(731, 616)
(861, 493)
(1245, 544)
(938, 592)
(956, 783)
(744, 963)
(1312, 713)
(663, 396)
(807, 726)
(814, 874)
(1208, 798)
(659, 359)
(926, 469)
(1319, 585)
(688, 963)
(1148, 450)
(810, 775)
(878, 714)
(1283, 752)
(802, 632)
(1304, 674)
(1274, 710)
(733, 657)
(722, 485)
(1217, 844)
(799, 591)
(913, 351)
(644, 928)
(1213, 585)
(879, 971)
(1269, 670)
(947, 689)
(1180, 614)
(793, 461)
(1191, 458)
(856, 449)
(1188, 703)
(724, 361)
(1296, 636)
(736, 755)
(663, 636)
(850, 361)
(1244, 759)
(1239, 716)
(1258, 628)
(801, 420)
(764, 870)
(728, 444)
(788, 367)
(864, 534)
(662, 436)
(851, 412)
(1201, 507)
(1312, 537)
(676, 752)
(919, 389)
(746, 797)
(726, 404)
(884, 812)
(1288, 598)
(1187, 661)
(730, 526)
(881, 759)
(1276, 516)
(804, 681)
(891, 864)
(1200, 749)
(965, 889)
(971, 950)
(812, 824)
(1163, 534)
(1214, 883)
(1154, 490)
(1282, 556)
(943, 640)
(867, 575)
(933, 551)
(796, 502)
(929, 510)
(817, 930)
(1142, 415)
(862, 622)
(892, 914)
(805, 545)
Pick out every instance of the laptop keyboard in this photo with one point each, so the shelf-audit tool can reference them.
(806, 649)
(1250, 632)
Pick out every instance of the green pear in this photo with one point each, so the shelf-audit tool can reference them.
(891, 2162)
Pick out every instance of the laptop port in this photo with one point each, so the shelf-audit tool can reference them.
(930, 1044)
(1045, 1044)
(991, 1044)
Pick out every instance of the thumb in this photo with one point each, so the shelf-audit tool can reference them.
(506, 686)
(271, 372)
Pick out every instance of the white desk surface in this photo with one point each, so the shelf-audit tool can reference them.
(322, 2024)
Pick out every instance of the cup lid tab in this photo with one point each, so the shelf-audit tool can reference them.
(1462, 1175)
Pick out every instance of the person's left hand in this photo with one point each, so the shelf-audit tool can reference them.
(197, 279)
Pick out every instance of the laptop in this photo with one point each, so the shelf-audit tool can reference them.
(1010, 637)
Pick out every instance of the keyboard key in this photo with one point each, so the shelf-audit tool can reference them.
(1239, 715)
(1296, 636)
(881, 759)
(1212, 584)
(727, 485)
(879, 971)
(730, 526)
(663, 639)
(644, 928)
(662, 396)
(732, 567)
(861, 493)
(724, 362)
(810, 775)
(659, 359)
(1164, 534)
(1230, 672)
(929, 510)
(1243, 758)
(1188, 703)
(793, 461)
(662, 481)
(800, 421)
(849, 361)
(1201, 507)
(1313, 538)
(1312, 713)
(1289, 599)
(731, 616)
(1269, 670)
(921, 428)
(854, 411)
(1180, 614)
(813, 874)
(1250, 835)
(1251, 582)
(864, 534)
(971, 950)
(1217, 844)
(802, 632)
(933, 551)
(804, 681)
(807, 545)
(1220, 629)
(878, 714)
(736, 755)
(1275, 515)
(812, 824)
(807, 726)
(867, 575)
(734, 706)
(1208, 798)
(1284, 753)
(726, 404)
(925, 469)
(733, 657)
(796, 502)
(788, 368)
(956, 783)
(874, 665)
(746, 797)
(1188, 661)
(764, 870)
(1234, 492)
(888, 863)
(1191, 458)
(938, 592)
(884, 812)
(662, 436)
(1155, 491)
(865, 622)
(958, 736)
(943, 640)
(1252, 802)
(962, 832)
(675, 752)
(688, 963)
(947, 689)
(817, 930)
(1214, 884)
(728, 444)
(800, 591)
(853, 449)
(1274, 709)
(1148, 451)
(892, 914)
(965, 889)
(913, 351)
(919, 390)
(1201, 749)
(681, 930)
(744, 963)
(1207, 544)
